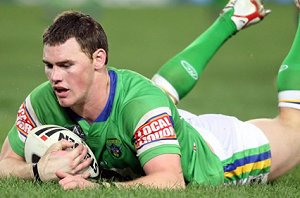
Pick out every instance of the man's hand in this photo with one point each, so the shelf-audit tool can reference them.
(60, 158)
(80, 181)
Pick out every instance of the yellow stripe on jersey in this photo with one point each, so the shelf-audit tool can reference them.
(248, 168)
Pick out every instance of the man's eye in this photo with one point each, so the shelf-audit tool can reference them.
(49, 66)
(67, 65)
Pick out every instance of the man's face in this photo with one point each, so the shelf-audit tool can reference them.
(70, 72)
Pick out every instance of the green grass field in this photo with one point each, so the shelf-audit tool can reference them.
(240, 80)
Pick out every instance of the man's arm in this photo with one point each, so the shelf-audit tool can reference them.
(11, 164)
(163, 171)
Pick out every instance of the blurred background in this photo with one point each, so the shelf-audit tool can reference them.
(143, 34)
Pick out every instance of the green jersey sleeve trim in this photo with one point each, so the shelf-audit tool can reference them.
(15, 142)
(159, 150)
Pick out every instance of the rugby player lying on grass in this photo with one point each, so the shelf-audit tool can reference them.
(134, 128)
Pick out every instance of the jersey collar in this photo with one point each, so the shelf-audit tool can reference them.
(109, 104)
(108, 107)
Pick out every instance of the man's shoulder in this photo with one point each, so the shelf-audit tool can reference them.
(136, 95)
(133, 84)
(125, 74)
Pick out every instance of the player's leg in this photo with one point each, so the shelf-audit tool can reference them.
(283, 131)
(179, 75)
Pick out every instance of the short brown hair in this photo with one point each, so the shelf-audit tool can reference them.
(72, 24)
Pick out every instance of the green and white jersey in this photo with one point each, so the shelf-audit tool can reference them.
(138, 123)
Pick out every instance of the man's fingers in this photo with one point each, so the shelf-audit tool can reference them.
(76, 181)
(80, 162)
(67, 183)
(60, 145)
(64, 176)
(79, 152)
(61, 174)
(66, 148)
(65, 144)
(85, 175)
(83, 165)
(77, 155)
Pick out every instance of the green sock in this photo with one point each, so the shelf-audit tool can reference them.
(289, 72)
(183, 71)
(288, 80)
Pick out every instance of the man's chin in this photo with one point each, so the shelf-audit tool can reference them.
(64, 103)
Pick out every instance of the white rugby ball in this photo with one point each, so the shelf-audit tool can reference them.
(41, 138)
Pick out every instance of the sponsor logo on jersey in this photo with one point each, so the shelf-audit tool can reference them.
(282, 68)
(155, 129)
(114, 146)
(24, 121)
(194, 147)
(189, 69)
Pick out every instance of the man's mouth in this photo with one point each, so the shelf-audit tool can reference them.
(61, 92)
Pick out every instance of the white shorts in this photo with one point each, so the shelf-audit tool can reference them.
(241, 146)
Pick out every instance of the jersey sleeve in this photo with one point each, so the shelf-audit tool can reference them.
(150, 123)
(25, 122)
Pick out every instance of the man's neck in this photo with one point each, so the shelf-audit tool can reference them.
(96, 100)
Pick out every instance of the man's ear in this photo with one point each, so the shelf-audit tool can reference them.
(99, 58)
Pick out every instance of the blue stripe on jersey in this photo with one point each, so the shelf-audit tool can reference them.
(293, 102)
(28, 113)
(108, 107)
(247, 160)
(152, 141)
